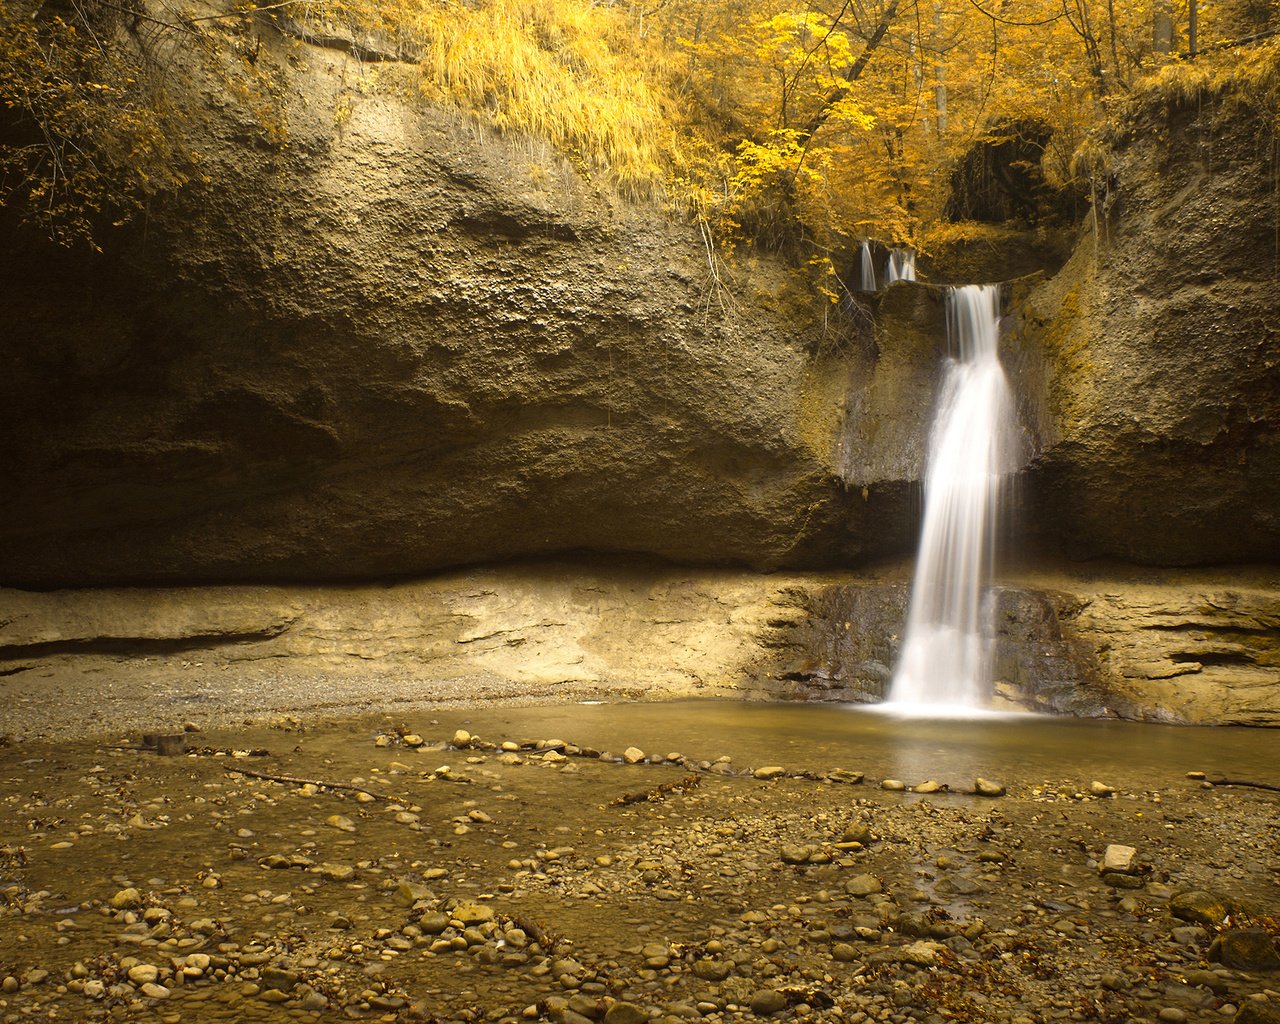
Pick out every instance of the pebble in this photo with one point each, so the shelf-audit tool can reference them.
(863, 885)
(768, 1001)
(772, 771)
(143, 974)
(126, 898)
(633, 755)
(987, 787)
(626, 1013)
(893, 785)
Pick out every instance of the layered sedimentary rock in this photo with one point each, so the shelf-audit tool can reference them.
(1189, 646)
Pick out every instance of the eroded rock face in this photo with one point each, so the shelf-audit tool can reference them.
(1186, 646)
(398, 344)
(1163, 341)
(401, 343)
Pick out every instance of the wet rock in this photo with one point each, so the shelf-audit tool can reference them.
(626, 1013)
(462, 739)
(1100, 789)
(1200, 907)
(633, 755)
(1245, 949)
(473, 913)
(280, 978)
(863, 885)
(932, 786)
(154, 991)
(1172, 1015)
(858, 833)
(340, 822)
(797, 854)
(408, 893)
(1211, 980)
(845, 952)
(768, 1001)
(922, 954)
(712, 970)
(1188, 935)
(143, 973)
(315, 1001)
(126, 899)
(1256, 1011)
(10, 985)
(987, 787)
(893, 785)
(770, 772)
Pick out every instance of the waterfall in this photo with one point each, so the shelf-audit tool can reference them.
(973, 446)
(900, 266)
(867, 269)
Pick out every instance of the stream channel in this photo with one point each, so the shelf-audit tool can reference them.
(393, 869)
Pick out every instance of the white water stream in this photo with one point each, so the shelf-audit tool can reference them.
(900, 266)
(866, 268)
(974, 445)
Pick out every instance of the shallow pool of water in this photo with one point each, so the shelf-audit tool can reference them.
(1013, 747)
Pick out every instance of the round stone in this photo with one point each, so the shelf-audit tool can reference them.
(143, 974)
(768, 1001)
(126, 898)
(625, 1013)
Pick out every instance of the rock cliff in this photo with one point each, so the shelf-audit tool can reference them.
(1162, 340)
(398, 343)
(402, 343)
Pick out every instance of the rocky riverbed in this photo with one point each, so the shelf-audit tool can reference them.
(434, 870)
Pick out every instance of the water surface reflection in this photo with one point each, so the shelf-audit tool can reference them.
(1011, 747)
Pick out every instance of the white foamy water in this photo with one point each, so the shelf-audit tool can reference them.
(866, 269)
(901, 266)
(973, 446)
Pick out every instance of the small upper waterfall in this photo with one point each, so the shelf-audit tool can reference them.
(900, 266)
(974, 445)
(866, 269)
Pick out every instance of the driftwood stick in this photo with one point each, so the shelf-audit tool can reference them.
(1222, 780)
(318, 783)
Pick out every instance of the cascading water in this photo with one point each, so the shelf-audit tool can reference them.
(973, 446)
(867, 270)
(901, 266)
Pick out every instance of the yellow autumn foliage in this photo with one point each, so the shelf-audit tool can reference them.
(795, 125)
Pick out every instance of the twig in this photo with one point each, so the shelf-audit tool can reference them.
(1222, 780)
(548, 940)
